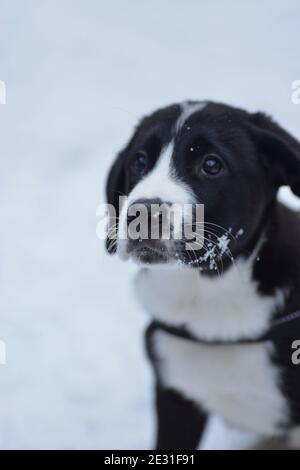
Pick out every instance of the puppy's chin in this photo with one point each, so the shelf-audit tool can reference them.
(146, 254)
(154, 254)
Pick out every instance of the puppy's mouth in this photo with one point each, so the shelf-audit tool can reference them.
(153, 252)
(148, 251)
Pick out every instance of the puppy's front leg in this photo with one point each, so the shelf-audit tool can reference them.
(179, 422)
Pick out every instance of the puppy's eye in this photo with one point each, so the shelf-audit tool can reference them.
(139, 163)
(212, 165)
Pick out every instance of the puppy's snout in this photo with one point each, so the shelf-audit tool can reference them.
(146, 218)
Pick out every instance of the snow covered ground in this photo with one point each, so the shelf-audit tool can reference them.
(79, 74)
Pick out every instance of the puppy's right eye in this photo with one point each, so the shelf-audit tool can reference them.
(138, 164)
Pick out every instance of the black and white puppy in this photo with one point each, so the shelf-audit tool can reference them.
(211, 307)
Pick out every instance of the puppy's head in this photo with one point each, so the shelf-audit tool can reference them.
(230, 161)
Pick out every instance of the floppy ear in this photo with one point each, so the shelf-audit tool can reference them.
(279, 149)
(115, 187)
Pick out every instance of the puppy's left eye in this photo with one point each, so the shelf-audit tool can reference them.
(139, 163)
(212, 165)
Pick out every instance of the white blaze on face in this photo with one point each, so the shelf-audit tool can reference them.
(187, 109)
(162, 183)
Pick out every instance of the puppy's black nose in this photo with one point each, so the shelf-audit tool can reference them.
(150, 213)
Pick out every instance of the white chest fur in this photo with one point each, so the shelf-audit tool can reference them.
(225, 307)
(238, 383)
(235, 382)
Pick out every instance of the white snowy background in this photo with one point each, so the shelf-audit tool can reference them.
(79, 74)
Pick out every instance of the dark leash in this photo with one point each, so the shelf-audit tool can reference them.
(287, 326)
